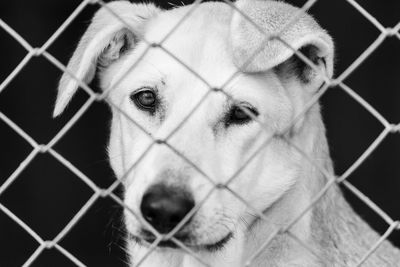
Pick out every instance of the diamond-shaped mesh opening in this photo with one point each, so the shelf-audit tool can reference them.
(34, 104)
(379, 88)
(89, 137)
(34, 17)
(44, 179)
(102, 236)
(351, 129)
(344, 22)
(376, 179)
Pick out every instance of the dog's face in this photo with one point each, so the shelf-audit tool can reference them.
(178, 146)
(218, 138)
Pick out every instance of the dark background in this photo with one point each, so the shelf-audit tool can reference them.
(47, 195)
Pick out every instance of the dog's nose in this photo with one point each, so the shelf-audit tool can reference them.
(164, 206)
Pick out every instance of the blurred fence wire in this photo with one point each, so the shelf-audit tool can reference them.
(37, 148)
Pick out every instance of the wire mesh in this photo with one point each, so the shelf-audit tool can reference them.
(37, 148)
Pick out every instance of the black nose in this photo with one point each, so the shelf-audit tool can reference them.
(164, 206)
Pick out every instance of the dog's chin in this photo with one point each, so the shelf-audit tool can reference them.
(218, 245)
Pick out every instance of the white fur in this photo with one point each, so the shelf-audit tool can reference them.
(214, 42)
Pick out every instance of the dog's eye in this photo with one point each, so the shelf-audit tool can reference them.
(145, 100)
(238, 115)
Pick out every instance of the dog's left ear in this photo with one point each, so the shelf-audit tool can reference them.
(105, 41)
(294, 27)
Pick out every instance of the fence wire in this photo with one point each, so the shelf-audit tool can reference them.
(389, 128)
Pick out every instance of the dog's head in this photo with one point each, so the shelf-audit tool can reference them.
(183, 151)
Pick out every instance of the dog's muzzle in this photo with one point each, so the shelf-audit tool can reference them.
(164, 208)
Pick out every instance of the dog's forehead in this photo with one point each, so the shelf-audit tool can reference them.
(201, 20)
(195, 39)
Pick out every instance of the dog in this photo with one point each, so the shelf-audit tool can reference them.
(205, 140)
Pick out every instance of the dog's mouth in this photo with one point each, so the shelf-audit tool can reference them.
(149, 238)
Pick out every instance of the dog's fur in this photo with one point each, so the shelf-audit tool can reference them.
(214, 41)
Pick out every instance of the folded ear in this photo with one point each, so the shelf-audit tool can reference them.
(105, 41)
(302, 34)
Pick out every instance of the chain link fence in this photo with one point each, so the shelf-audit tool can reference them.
(109, 192)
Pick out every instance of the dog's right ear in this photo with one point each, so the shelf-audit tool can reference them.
(107, 38)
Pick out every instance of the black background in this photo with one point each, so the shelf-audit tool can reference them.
(47, 195)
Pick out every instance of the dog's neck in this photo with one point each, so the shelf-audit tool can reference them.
(330, 233)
